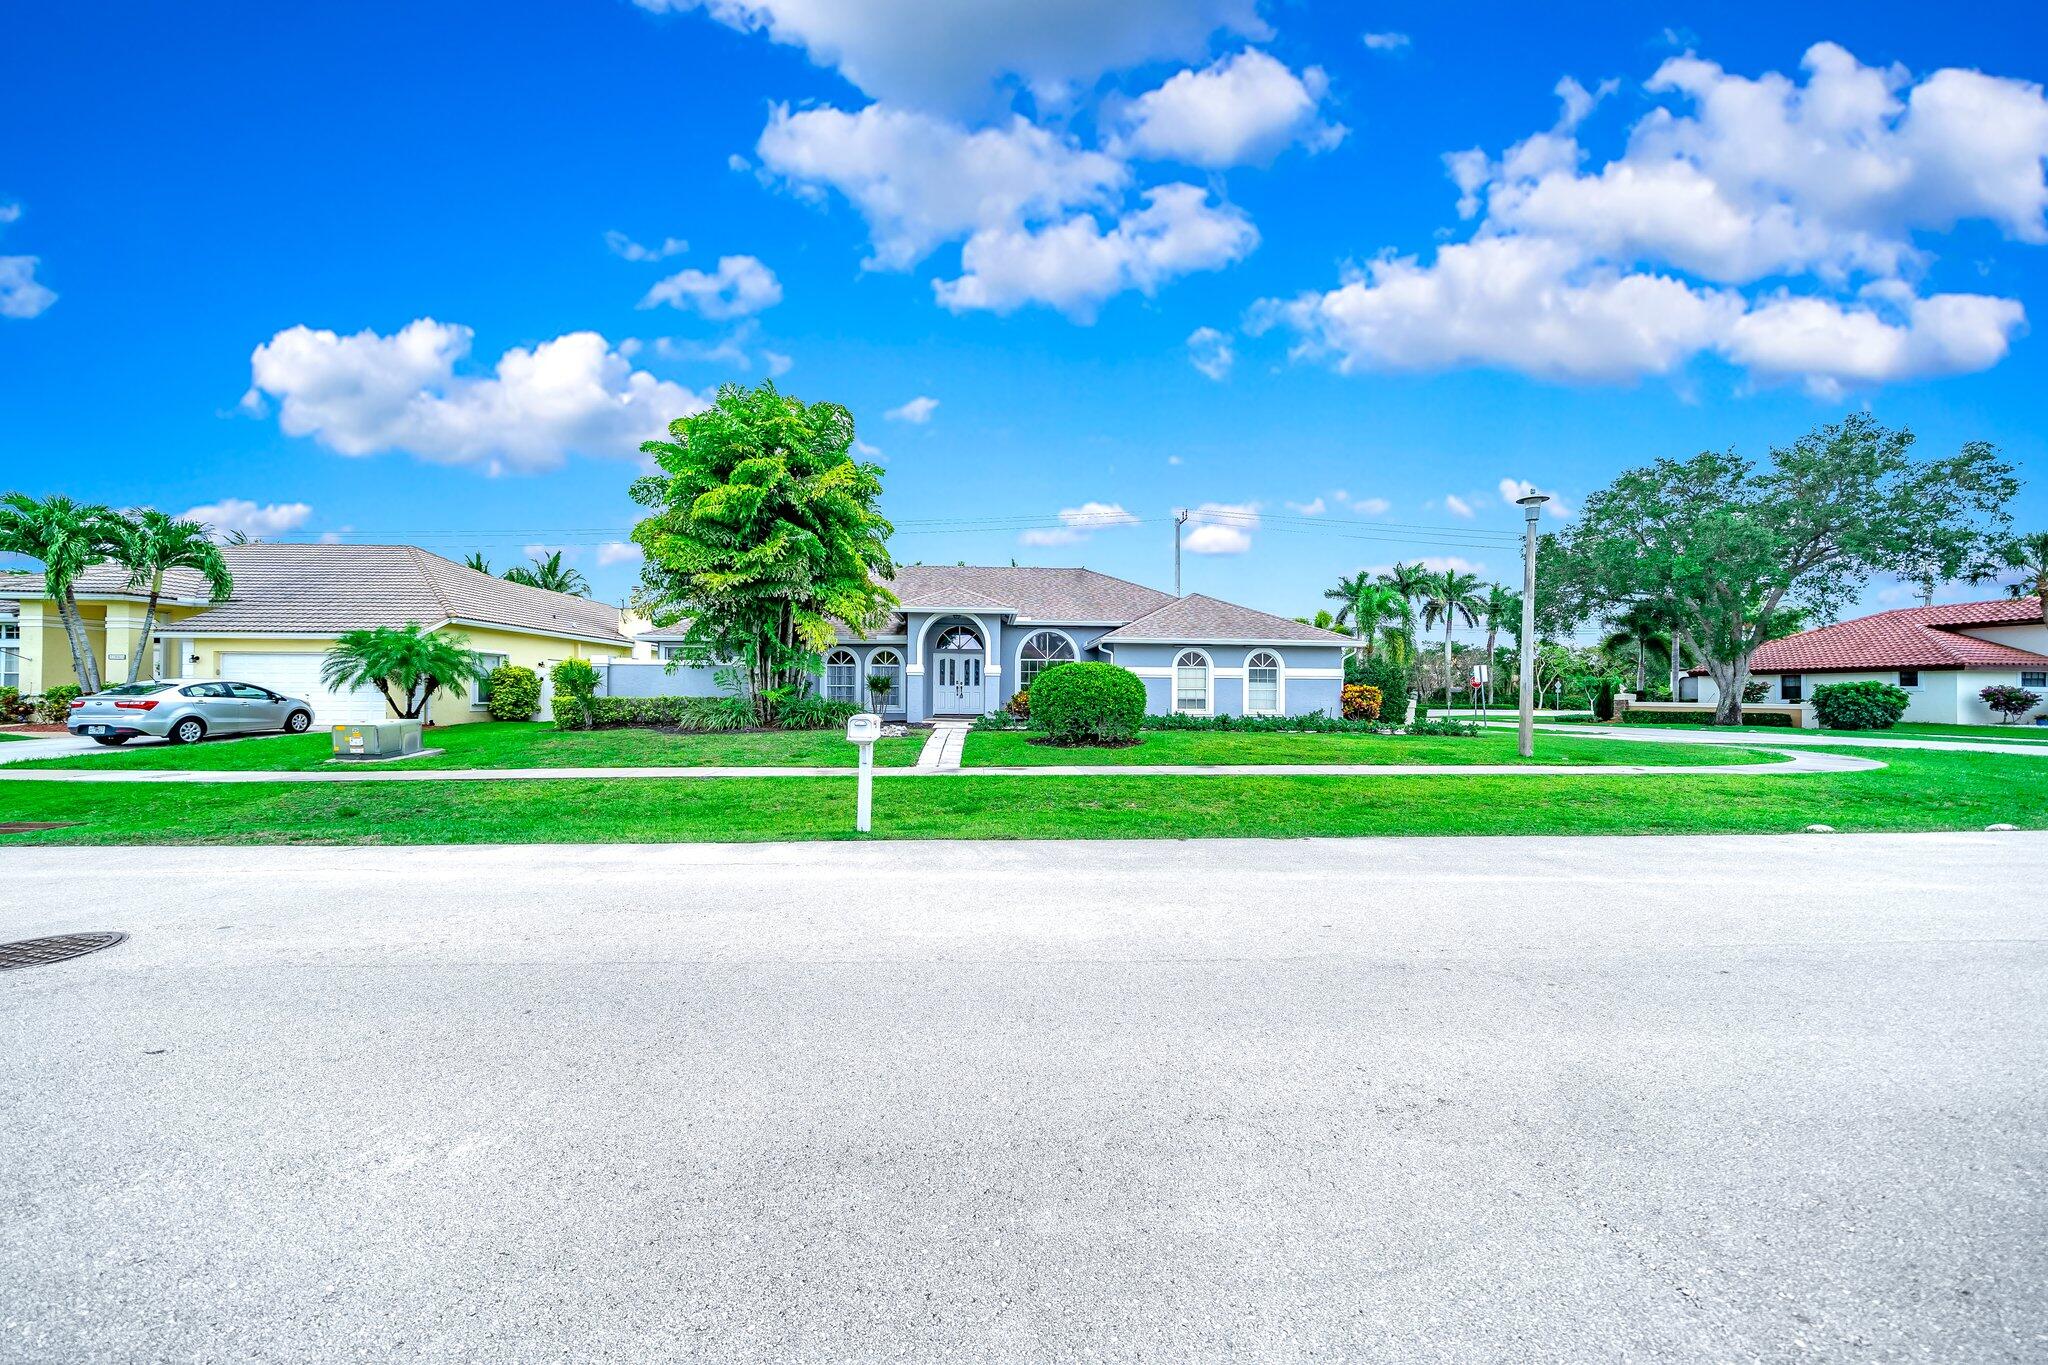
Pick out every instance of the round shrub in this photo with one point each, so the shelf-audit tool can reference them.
(1087, 703)
(512, 693)
(1859, 705)
(1361, 702)
(1392, 681)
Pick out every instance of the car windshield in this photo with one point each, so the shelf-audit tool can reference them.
(131, 690)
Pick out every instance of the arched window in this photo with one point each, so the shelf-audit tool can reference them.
(1191, 681)
(1262, 684)
(842, 681)
(958, 637)
(1041, 652)
(888, 663)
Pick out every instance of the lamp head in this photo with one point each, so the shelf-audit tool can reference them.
(1532, 504)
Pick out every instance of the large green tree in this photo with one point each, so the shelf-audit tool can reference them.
(66, 538)
(2028, 556)
(763, 535)
(1501, 609)
(148, 544)
(1726, 544)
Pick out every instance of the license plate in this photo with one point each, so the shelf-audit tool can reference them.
(95, 729)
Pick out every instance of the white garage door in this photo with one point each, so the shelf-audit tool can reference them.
(298, 675)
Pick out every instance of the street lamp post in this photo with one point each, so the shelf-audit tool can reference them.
(1532, 507)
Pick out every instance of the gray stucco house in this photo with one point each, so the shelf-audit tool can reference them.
(965, 639)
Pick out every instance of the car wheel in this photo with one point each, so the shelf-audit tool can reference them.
(297, 723)
(188, 731)
(110, 740)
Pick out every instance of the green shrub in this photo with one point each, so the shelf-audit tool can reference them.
(1313, 723)
(2009, 701)
(14, 707)
(575, 678)
(1637, 716)
(694, 714)
(1867, 705)
(1019, 705)
(1088, 703)
(1392, 681)
(1603, 699)
(811, 713)
(1445, 728)
(55, 704)
(512, 693)
(1361, 701)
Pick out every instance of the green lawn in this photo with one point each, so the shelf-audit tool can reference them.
(985, 749)
(2019, 734)
(499, 744)
(1918, 791)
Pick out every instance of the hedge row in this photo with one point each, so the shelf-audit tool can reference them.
(695, 714)
(1314, 723)
(1632, 716)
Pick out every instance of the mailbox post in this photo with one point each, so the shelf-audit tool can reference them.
(864, 728)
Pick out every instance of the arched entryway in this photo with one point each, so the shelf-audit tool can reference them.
(956, 671)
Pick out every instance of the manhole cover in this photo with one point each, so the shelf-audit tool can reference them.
(34, 952)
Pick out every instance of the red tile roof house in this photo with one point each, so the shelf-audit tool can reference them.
(1942, 656)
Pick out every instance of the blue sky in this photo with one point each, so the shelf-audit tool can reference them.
(369, 271)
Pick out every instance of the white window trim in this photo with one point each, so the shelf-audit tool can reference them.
(1208, 707)
(1072, 644)
(1279, 683)
(852, 661)
(477, 700)
(897, 667)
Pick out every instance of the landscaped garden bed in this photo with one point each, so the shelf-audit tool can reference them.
(1019, 748)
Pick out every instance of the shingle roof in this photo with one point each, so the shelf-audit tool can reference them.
(1911, 637)
(106, 580)
(1032, 594)
(322, 589)
(1196, 618)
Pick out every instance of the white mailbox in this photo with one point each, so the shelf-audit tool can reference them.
(864, 728)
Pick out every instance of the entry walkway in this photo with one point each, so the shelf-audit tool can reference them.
(941, 753)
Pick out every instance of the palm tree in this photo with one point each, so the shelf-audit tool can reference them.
(147, 543)
(477, 561)
(1500, 607)
(1367, 605)
(1451, 596)
(550, 573)
(407, 664)
(67, 538)
(1635, 631)
(1411, 581)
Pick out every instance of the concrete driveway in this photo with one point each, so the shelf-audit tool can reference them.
(1491, 1099)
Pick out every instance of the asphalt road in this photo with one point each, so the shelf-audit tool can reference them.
(1456, 1100)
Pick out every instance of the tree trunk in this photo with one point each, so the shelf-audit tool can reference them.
(1642, 677)
(1731, 678)
(84, 662)
(1492, 632)
(1447, 661)
(156, 589)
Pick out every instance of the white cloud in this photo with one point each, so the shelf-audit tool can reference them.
(941, 53)
(1371, 507)
(866, 451)
(1833, 179)
(1513, 489)
(22, 295)
(618, 552)
(1074, 265)
(257, 522)
(1077, 524)
(1211, 352)
(1221, 528)
(1386, 42)
(367, 394)
(1314, 507)
(1243, 108)
(742, 285)
(1433, 563)
(1514, 302)
(1457, 506)
(622, 245)
(920, 180)
(917, 411)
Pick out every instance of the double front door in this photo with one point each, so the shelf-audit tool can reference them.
(956, 688)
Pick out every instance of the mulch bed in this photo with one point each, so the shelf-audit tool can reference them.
(34, 730)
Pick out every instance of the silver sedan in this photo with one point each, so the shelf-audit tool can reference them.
(185, 713)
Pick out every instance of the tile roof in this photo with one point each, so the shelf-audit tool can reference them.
(1196, 618)
(322, 589)
(1912, 637)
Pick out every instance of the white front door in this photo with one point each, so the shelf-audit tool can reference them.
(957, 686)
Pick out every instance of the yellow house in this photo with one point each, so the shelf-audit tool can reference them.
(289, 604)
